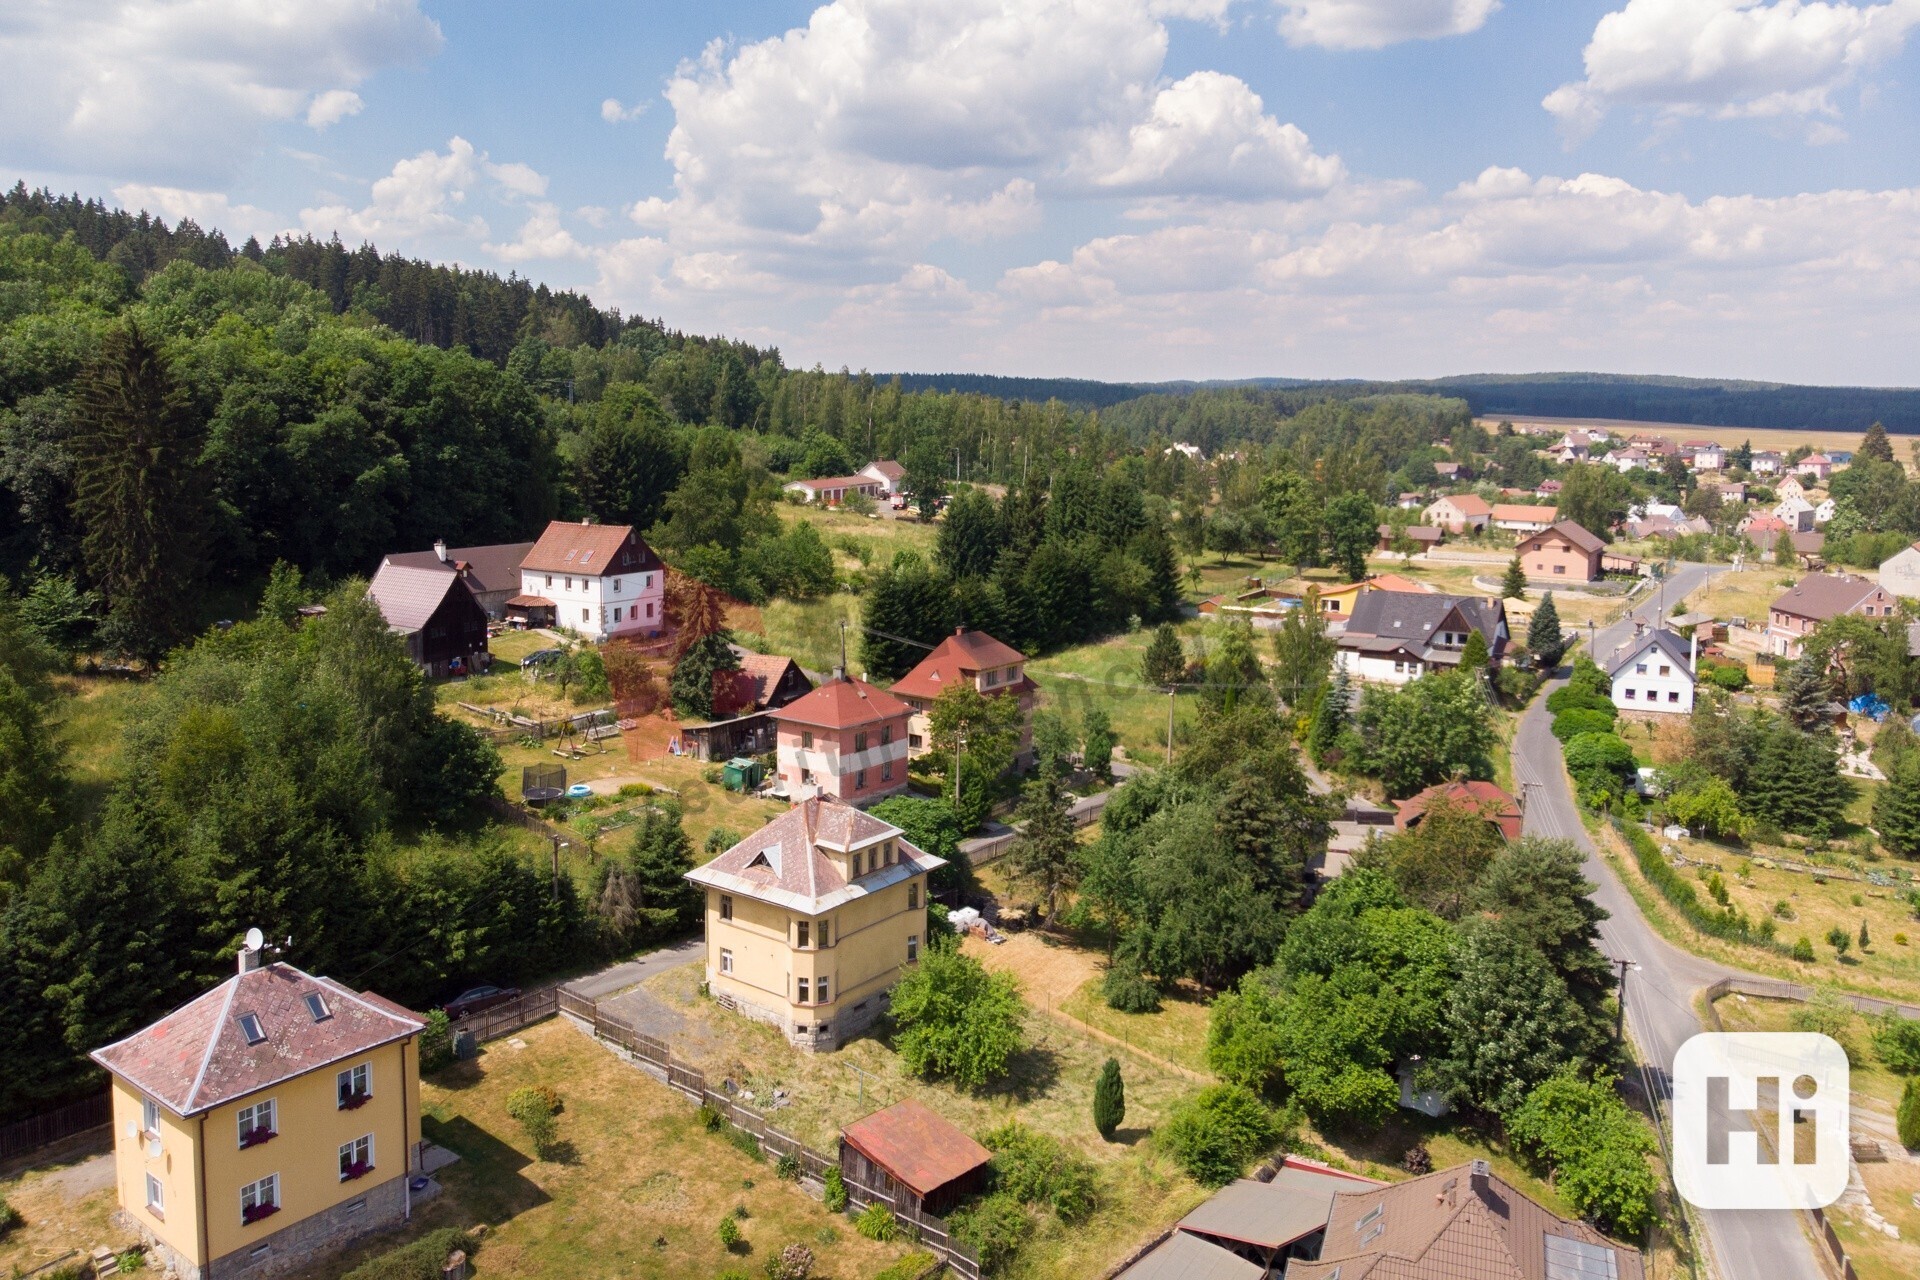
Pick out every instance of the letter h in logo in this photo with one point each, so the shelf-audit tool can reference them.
(1760, 1120)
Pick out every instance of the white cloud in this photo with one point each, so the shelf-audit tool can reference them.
(424, 194)
(332, 107)
(542, 239)
(180, 91)
(1374, 24)
(210, 209)
(1729, 58)
(614, 113)
(1210, 135)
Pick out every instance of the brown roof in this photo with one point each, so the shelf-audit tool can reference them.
(782, 862)
(1574, 533)
(197, 1057)
(525, 601)
(1501, 808)
(916, 1146)
(494, 568)
(835, 482)
(1820, 596)
(843, 704)
(887, 467)
(1415, 532)
(407, 597)
(1524, 511)
(956, 660)
(765, 671)
(590, 550)
(1459, 1224)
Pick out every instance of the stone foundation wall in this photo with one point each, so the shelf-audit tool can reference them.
(293, 1246)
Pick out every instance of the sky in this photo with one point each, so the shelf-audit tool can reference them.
(1116, 189)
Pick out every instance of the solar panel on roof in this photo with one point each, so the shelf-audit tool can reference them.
(1578, 1260)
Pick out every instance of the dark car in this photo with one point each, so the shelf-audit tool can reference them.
(541, 658)
(474, 999)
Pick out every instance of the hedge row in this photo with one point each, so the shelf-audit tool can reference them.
(1718, 922)
(420, 1260)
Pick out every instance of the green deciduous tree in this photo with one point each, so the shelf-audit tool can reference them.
(990, 728)
(1907, 1119)
(1219, 1131)
(1233, 672)
(630, 458)
(1352, 531)
(1303, 656)
(1426, 731)
(1510, 1022)
(956, 1021)
(1598, 1151)
(1097, 743)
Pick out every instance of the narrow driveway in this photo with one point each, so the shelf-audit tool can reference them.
(1661, 985)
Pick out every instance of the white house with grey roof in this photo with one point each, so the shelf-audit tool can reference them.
(1654, 672)
(1395, 637)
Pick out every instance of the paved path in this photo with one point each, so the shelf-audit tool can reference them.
(1661, 986)
(607, 982)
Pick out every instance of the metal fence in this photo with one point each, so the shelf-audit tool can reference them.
(657, 1055)
(49, 1127)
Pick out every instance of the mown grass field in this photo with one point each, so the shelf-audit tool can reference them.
(640, 1188)
(1781, 438)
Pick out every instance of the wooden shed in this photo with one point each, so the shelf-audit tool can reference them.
(908, 1152)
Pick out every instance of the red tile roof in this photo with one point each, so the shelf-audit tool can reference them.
(197, 1057)
(782, 862)
(843, 704)
(590, 550)
(957, 660)
(916, 1146)
(1501, 809)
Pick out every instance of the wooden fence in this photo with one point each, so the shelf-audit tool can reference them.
(504, 1019)
(656, 1055)
(49, 1127)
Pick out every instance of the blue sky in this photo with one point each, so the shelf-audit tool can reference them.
(1101, 188)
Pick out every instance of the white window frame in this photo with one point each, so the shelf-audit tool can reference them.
(913, 947)
(265, 1191)
(820, 991)
(726, 906)
(350, 1149)
(801, 986)
(726, 960)
(150, 1117)
(156, 1197)
(913, 895)
(357, 1079)
(251, 1117)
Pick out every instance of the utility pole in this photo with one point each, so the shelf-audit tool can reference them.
(1620, 1018)
(1171, 690)
(556, 868)
(959, 741)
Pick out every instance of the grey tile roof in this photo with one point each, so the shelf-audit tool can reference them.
(1665, 641)
(407, 597)
(1386, 620)
(1185, 1257)
(494, 568)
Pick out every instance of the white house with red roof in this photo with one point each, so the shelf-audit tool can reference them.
(812, 919)
(888, 472)
(847, 738)
(831, 491)
(266, 1123)
(974, 658)
(600, 580)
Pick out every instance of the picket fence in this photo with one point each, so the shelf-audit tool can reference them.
(657, 1055)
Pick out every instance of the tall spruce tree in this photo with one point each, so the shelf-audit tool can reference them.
(1165, 662)
(1109, 1099)
(1805, 693)
(692, 680)
(1875, 444)
(139, 495)
(1514, 585)
(1896, 809)
(1545, 641)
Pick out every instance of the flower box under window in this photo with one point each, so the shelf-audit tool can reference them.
(354, 1101)
(255, 1136)
(358, 1169)
(254, 1212)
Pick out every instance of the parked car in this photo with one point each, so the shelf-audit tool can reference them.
(541, 658)
(475, 999)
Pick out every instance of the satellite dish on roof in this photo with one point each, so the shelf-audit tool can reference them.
(255, 940)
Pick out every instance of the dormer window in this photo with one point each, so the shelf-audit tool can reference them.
(252, 1028)
(317, 1006)
(764, 858)
(859, 863)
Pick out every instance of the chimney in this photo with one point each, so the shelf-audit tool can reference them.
(440, 550)
(249, 958)
(1693, 650)
(1479, 1173)
(839, 673)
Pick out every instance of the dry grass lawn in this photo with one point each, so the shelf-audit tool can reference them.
(1745, 594)
(68, 1205)
(1781, 438)
(640, 1192)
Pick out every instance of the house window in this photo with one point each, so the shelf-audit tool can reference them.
(886, 734)
(156, 1197)
(800, 935)
(913, 895)
(726, 960)
(822, 993)
(150, 1117)
(823, 933)
(992, 678)
(859, 864)
(256, 1123)
(259, 1199)
(1629, 695)
(806, 739)
(251, 1027)
(354, 1086)
(1559, 568)
(649, 608)
(913, 947)
(317, 1006)
(616, 586)
(1673, 695)
(549, 579)
(801, 987)
(886, 771)
(616, 613)
(860, 741)
(583, 615)
(1639, 668)
(356, 1158)
(726, 906)
(1665, 670)
(569, 584)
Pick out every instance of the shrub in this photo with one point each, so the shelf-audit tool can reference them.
(1417, 1160)
(710, 1118)
(911, 1267)
(1109, 1099)
(10, 1218)
(1803, 951)
(956, 1020)
(1899, 939)
(876, 1222)
(1732, 679)
(1723, 922)
(1038, 1170)
(1783, 909)
(1897, 1042)
(436, 1042)
(746, 1143)
(1217, 1131)
(836, 1195)
(131, 1260)
(1596, 1148)
(788, 1167)
(993, 1227)
(729, 1233)
(420, 1260)
(1124, 989)
(795, 1262)
(1839, 939)
(1907, 1120)
(535, 1107)
(1578, 720)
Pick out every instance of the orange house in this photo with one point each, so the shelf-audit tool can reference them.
(1565, 552)
(847, 738)
(967, 657)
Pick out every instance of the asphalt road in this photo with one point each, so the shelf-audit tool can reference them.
(1661, 985)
